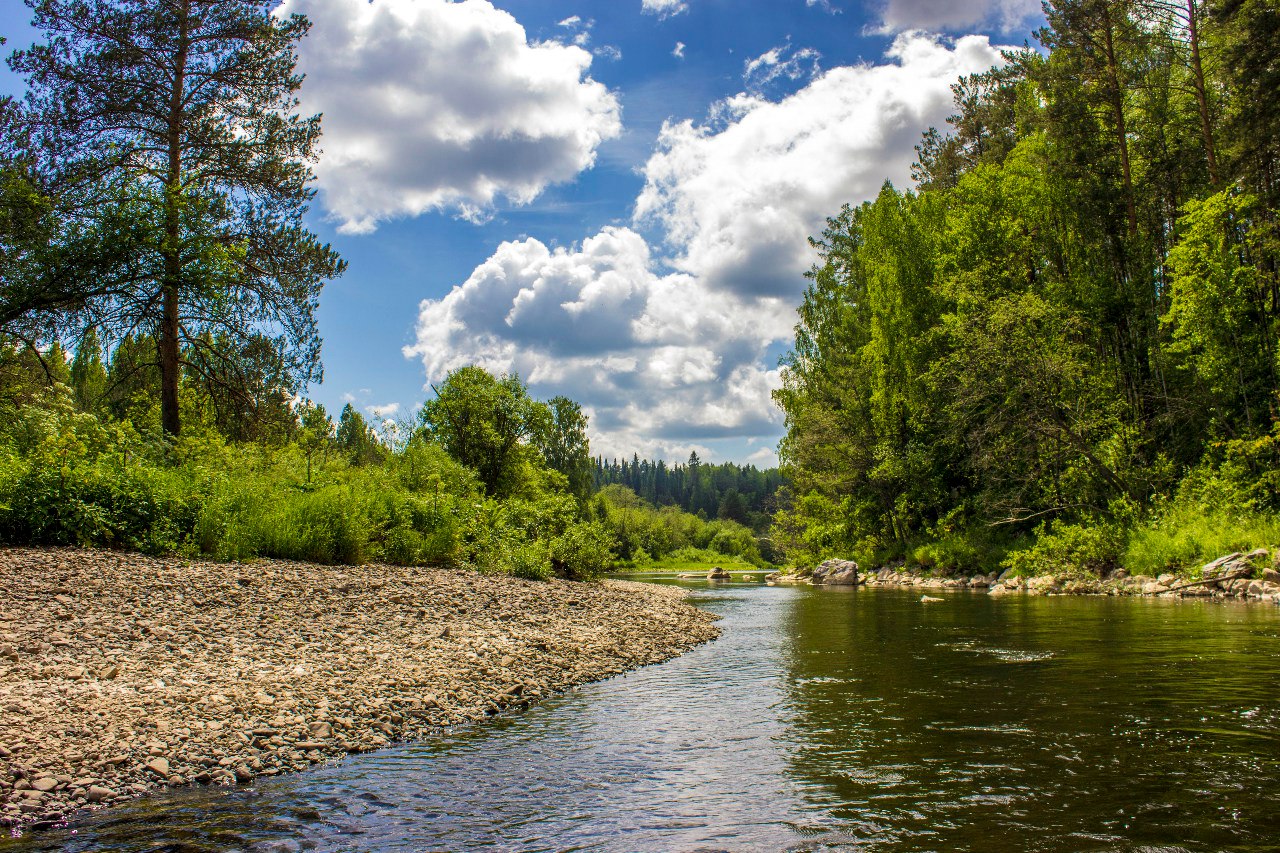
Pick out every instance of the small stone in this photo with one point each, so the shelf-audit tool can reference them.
(321, 730)
(159, 766)
(97, 794)
(47, 783)
(109, 673)
(243, 773)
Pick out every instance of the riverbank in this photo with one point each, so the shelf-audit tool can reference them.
(1240, 576)
(121, 674)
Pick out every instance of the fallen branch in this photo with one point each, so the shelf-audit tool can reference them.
(1237, 575)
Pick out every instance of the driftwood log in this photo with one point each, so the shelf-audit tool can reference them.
(1233, 576)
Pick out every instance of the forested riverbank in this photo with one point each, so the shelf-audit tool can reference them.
(1058, 353)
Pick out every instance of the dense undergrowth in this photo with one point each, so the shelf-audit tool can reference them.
(71, 477)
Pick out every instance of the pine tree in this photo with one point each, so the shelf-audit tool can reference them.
(174, 124)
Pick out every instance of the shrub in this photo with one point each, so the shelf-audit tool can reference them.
(583, 551)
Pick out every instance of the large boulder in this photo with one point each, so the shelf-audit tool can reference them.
(718, 574)
(836, 573)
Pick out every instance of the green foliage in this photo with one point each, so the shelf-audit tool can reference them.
(962, 552)
(485, 423)
(1075, 310)
(1218, 508)
(655, 534)
(1058, 549)
(583, 551)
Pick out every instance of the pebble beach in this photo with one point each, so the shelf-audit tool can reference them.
(122, 674)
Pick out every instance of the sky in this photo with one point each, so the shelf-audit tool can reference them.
(611, 198)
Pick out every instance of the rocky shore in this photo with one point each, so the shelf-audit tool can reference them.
(1255, 575)
(121, 674)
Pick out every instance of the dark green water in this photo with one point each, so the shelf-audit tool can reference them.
(823, 720)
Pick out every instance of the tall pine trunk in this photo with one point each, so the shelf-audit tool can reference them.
(171, 250)
(1117, 108)
(1202, 98)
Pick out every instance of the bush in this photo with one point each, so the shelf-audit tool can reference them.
(1215, 511)
(1095, 548)
(583, 551)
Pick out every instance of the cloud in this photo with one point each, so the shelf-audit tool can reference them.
(775, 64)
(663, 8)
(384, 411)
(738, 197)
(824, 5)
(956, 15)
(678, 50)
(435, 105)
(599, 323)
(670, 352)
(765, 457)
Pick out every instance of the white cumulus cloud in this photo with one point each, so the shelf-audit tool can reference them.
(738, 198)
(780, 63)
(670, 352)
(437, 105)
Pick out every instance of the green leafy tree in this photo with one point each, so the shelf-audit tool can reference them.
(1223, 313)
(485, 423)
(564, 446)
(356, 438)
(315, 435)
(175, 125)
(88, 374)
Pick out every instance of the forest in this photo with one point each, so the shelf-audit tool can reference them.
(1058, 350)
(741, 493)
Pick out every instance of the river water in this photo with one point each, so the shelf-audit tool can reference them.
(822, 719)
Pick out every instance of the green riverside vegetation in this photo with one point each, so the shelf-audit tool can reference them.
(105, 473)
(1059, 351)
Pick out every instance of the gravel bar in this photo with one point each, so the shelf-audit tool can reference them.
(121, 674)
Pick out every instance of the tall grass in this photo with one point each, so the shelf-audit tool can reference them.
(1189, 537)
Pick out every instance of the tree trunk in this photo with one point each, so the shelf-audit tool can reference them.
(1202, 99)
(1117, 109)
(171, 250)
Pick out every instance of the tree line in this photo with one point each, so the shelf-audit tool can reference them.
(1064, 337)
(741, 493)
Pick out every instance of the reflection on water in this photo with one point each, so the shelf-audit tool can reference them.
(822, 720)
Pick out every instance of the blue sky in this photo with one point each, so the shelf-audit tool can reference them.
(610, 197)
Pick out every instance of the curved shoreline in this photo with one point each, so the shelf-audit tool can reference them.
(121, 674)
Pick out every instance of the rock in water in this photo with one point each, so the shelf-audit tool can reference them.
(718, 574)
(836, 573)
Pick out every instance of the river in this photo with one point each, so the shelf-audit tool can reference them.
(822, 719)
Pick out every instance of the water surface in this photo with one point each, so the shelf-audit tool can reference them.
(821, 720)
